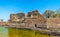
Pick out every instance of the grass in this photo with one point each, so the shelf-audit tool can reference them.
(25, 33)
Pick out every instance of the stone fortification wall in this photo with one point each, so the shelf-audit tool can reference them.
(53, 22)
(33, 19)
(49, 23)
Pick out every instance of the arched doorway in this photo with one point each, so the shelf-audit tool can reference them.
(35, 25)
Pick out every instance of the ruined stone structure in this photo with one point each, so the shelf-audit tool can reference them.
(17, 17)
(53, 22)
(31, 20)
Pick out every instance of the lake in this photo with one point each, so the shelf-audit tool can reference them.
(13, 32)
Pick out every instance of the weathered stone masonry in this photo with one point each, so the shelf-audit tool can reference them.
(31, 20)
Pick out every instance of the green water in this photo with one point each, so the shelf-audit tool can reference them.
(13, 32)
(3, 32)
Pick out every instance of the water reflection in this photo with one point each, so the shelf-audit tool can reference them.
(13, 32)
(3, 32)
(21, 33)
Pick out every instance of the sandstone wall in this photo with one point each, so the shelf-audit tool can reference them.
(53, 22)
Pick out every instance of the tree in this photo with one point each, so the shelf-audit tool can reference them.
(58, 13)
(1, 20)
(48, 14)
(55, 15)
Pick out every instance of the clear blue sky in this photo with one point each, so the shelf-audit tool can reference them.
(15, 6)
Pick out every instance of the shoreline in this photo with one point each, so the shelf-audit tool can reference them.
(48, 32)
(41, 32)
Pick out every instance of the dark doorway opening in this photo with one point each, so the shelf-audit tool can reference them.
(35, 25)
